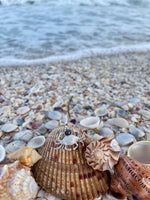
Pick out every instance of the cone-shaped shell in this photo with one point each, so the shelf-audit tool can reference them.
(26, 155)
(65, 174)
(131, 178)
(103, 154)
(16, 182)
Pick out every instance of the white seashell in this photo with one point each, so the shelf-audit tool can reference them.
(119, 122)
(145, 113)
(51, 124)
(16, 182)
(9, 127)
(14, 146)
(106, 132)
(100, 126)
(2, 153)
(55, 115)
(6, 110)
(23, 110)
(90, 122)
(102, 111)
(136, 132)
(23, 135)
(37, 142)
(97, 137)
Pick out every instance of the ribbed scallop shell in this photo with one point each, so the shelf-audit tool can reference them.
(102, 154)
(131, 178)
(65, 174)
(16, 182)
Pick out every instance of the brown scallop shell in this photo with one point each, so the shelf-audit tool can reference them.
(103, 154)
(65, 174)
(131, 178)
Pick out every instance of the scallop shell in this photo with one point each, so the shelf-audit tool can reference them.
(37, 142)
(26, 155)
(66, 174)
(131, 178)
(90, 122)
(16, 182)
(2, 153)
(103, 154)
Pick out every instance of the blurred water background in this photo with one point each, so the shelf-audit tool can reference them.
(36, 31)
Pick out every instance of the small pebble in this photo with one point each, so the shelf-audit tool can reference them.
(106, 132)
(23, 110)
(51, 124)
(136, 132)
(25, 135)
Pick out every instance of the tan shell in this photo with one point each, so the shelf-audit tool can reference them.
(131, 178)
(26, 155)
(103, 154)
(16, 182)
(65, 174)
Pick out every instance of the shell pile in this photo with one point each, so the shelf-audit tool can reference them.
(66, 174)
(102, 154)
(16, 182)
(131, 178)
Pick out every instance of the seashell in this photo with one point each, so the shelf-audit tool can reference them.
(26, 155)
(102, 111)
(119, 122)
(106, 132)
(140, 152)
(131, 178)
(90, 122)
(65, 173)
(23, 110)
(136, 132)
(36, 142)
(125, 139)
(51, 124)
(145, 113)
(16, 182)
(55, 115)
(23, 135)
(14, 146)
(2, 153)
(102, 154)
(9, 127)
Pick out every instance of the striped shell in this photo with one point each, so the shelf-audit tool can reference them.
(102, 154)
(65, 174)
(16, 182)
(131, 178)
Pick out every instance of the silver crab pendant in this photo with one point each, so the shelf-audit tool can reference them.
(69, 140)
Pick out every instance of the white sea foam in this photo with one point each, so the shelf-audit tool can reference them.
(9, 61)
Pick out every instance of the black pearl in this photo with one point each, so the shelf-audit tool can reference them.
(68, 132)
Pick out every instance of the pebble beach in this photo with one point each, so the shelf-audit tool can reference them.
(34, 99)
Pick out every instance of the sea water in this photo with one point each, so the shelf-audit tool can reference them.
(37, 31)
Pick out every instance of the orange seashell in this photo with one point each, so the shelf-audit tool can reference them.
(131, 178)
(103, 154)
(26, 155)
(65, 173)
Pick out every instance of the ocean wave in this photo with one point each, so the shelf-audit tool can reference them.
(142, 48)
(78, 2)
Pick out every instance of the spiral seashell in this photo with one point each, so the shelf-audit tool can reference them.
(131, 178)
(102, 154)
(65, 173)
(26, 155)
(16, 182)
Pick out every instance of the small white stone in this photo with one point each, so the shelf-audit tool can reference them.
(9, 127)
(51, 124)
(125, 139)
(90, 122)
(55, 115)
